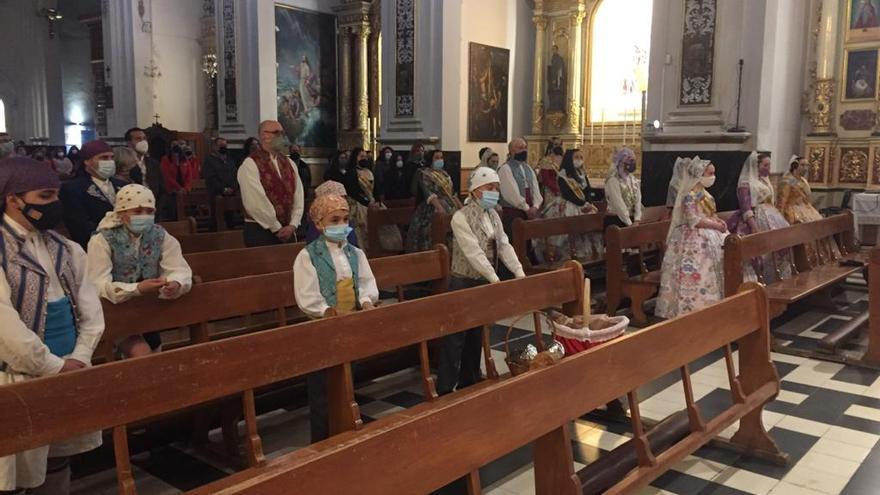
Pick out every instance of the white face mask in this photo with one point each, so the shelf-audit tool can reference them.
(142, 147)
(578, 163)
(708, 181)
(387, 156)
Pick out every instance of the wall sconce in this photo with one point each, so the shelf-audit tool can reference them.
(209, 65)
(51, 15)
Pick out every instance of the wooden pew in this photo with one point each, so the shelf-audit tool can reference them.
(180, 227)
(872, 356)
(210, 266)
(38, 412)
(441, 231)
(196, 204)
(376, 219)
(648, 239)
(537, 408)
(809, 280)
(527, 230)
(224, 204)
(213, 241)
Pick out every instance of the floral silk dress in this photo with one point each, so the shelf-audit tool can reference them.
(430, 182)
(693, 266)
(794, 202)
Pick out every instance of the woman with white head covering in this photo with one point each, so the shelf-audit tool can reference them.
(623, 191)
(131, 256)
(757, 213)
(478, 244)
(795, 202)
(50, 314)
(693, 271)
(675, 181)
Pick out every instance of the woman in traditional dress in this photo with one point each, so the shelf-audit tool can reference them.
(361, 190)
(693, 266)
(674, 182)
(795, 203)
(573, 200)
(623, 191)
(436, 194)
(50, 314)
(130, 257)
(757, 213)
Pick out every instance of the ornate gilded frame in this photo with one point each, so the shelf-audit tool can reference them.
(863, 34)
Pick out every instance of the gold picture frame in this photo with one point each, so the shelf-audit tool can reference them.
(859, 75)
(862, 20)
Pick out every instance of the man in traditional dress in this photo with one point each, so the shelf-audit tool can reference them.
(271, 190)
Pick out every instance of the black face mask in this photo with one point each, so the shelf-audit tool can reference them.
(43, 217)
(175, 149)
(295, 156)
(222, 150)
(629, 167)
(522, 156)
(363, 163)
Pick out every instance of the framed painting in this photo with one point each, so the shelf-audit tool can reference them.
(860, 75)
(305, 56)
(488, 80)
(863, 20)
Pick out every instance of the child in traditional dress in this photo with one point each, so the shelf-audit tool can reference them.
(131, 256)
(330, 277)
(478, 243)
(50, 313)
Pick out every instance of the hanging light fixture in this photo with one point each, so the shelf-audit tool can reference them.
(51, 15)
(209, 65)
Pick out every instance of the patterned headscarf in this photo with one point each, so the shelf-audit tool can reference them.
(20, 174)
(620, 156)
(484, 158)
(330, 187)
(750, 177)
(128, 198)
(325, 205)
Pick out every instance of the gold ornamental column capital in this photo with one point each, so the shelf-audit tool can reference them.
(820, 113)
(540, 22)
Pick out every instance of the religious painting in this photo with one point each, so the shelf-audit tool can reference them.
(488, 79)
(305, 56)
(860, 70)
(864, 20)
(557, 81)
(698, 52)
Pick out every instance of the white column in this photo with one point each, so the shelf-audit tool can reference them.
(826, 45)
(538, 99)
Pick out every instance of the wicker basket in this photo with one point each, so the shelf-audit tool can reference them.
(543, 358)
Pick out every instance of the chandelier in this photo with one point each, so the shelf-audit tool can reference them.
(209, 65)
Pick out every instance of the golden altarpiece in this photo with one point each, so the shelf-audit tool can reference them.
(843, 102)
(568, 101)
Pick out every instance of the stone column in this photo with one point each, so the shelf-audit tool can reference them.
(538, 106)
(575, 86)
(361, 86)
(345, 79)
(826, 63)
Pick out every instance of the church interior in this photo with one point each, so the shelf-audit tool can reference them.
(506, 247)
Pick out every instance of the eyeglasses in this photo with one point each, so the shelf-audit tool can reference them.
(275, 133)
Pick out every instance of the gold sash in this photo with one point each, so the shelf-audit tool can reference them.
(345, 300)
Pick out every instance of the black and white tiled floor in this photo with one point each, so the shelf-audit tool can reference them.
(827, 418)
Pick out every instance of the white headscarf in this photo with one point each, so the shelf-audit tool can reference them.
(750, 177)
(692, 170)
(484, 159)
(675, 181)
(481, 177)
(128, 198)
(620, 156)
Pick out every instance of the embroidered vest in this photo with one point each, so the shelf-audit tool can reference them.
(134, 262)
(326, 270)
(279, 189)
(29, 282)
(461, 266)
(523, 176)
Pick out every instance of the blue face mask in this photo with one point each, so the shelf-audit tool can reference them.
(438, 164)
(490, 199)
(106, 169)
(337, 233)
(140, 223)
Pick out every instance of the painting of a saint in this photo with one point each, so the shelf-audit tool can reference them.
(864, 14)
(861, 75)
(305, 47)
(557, 82)
(488, 75)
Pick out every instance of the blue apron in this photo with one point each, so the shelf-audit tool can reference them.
(60, 333)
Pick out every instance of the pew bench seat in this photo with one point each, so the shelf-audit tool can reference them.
(800, 286)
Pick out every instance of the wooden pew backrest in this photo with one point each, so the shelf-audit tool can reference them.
(223, 204)
(39, 412)
(214, 241)
(376, 219)
(210, 266)
(180, 227)
(538, 407)
(526, 230)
